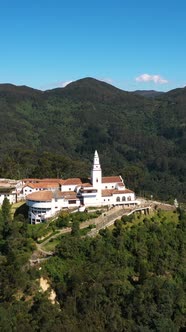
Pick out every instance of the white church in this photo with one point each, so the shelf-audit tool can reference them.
(48, 196)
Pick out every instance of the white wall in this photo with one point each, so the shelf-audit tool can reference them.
(43, 210)
(39, 204)
(107, 200)
(49, 208)
(91, 199)
(120, 187)
(129, 198)
(108, 186)
(70, 187)
(11, 198)
(28, 190)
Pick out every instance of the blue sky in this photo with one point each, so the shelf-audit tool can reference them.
(136, 44)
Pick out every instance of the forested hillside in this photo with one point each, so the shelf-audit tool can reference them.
(54, 133)
(129, 278)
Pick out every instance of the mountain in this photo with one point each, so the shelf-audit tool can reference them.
(149, 93)
(55, 132)
(90, 89)
(17, 92)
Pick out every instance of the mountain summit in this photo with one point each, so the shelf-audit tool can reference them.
(90, 89)
(143, 139)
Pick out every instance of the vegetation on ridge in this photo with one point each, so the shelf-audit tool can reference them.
(125, 279)
(54, 134)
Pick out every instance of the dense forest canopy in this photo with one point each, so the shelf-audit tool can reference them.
(128, 278)
(54, 134)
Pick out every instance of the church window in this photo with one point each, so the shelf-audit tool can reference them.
(129, 198)
(118, 199)
(123, 198)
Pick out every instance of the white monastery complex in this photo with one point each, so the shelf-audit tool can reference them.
(46, 197)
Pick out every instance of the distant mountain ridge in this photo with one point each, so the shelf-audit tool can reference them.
(17, 89)
(54, 132)
(149, 93)
(85, 84)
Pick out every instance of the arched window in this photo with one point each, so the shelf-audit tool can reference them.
(123, 198)
(129, 198)
(118, 199)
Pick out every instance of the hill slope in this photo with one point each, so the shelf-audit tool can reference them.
(54, 133)
(148, 93)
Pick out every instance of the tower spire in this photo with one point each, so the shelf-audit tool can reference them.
(96, 174)
(96, 162)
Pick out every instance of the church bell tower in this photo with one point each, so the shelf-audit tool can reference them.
(96, 174)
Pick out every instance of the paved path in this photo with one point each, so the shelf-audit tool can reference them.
(100, 222)
(106, 219)
(110, 219)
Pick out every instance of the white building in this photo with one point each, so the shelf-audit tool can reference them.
(10, 189)
(48, 198)
(41, 185)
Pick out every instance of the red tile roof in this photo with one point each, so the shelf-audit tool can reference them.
(35, 180)
(111, 179)
(42, 185)
(61, 181)
(31, 180)
(87, 185)
(111, 192)
(126, 191)
(41, 196)
(68, 194)
(106, 192)
(72, 181)
(45, 195)
(121, 184)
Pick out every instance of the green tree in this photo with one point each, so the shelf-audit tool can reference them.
(6, 209)
(75, 228)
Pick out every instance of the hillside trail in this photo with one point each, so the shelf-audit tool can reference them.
(106, 219)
